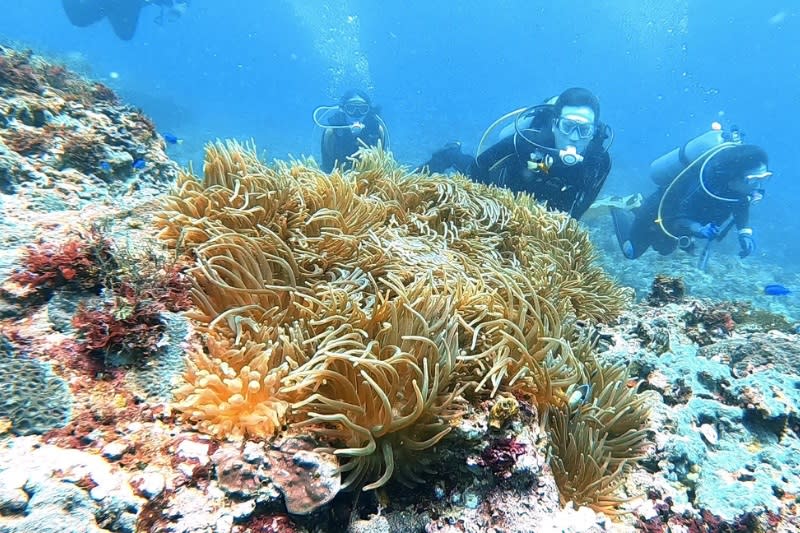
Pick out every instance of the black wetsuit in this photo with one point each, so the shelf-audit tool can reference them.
(686, 204)
(565, 188)
(340, 143)
(122, 14)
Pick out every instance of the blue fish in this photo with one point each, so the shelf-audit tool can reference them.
(171, 138)
(776, 289)
(139, 163)
(105, 165)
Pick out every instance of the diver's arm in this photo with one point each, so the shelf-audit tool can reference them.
(492, 158)
(597, 172)
(327, 150)
(741, 216)
(683, 225)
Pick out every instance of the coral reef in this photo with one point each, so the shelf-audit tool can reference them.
(666, 289)
(727, 438)
(353, 330)
(706, 323)
(34, 399)
(58, 129)
(368, 307)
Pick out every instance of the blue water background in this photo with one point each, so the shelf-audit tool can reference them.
(255, 69)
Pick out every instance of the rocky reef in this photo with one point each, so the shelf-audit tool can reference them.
(268, 348)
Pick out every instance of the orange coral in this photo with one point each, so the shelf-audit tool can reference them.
(233, 392)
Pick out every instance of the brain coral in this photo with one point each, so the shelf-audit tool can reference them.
(363, 306)
(33, 399)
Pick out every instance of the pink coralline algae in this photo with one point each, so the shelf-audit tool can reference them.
(501, 456)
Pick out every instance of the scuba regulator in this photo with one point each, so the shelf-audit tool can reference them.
(541, 161)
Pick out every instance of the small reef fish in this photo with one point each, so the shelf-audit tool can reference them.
(105, 165)
(139, 163)
(171, 138)
(776, 289)
(579, 396)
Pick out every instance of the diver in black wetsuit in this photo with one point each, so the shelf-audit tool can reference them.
(713, 193)
(346, 126)
(555, 152)
(122, 14)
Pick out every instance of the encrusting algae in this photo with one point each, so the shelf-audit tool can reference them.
(368, 307)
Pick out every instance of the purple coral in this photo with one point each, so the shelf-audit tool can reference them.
(501, 456)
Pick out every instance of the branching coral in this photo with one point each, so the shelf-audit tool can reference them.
(82, 150)
(16, 70)
(366, 306)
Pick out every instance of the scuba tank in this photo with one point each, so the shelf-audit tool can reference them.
(664, 169)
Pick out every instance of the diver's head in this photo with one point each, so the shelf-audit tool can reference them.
(741, 171)
(751, 181)
(576, 121)
(356, 105)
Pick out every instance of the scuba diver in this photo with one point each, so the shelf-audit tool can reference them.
(347, 126)
(555, 151)
(122, 14)
(705, 188)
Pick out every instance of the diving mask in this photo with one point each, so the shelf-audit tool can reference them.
(758, 177)
(357, 108)
(568, 125)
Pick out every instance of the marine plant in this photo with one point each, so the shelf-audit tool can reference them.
(124, 325)
(78, 261)
(137, 290)
(368, 307)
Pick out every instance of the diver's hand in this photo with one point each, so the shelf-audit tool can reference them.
(708, 231)
(746, 243)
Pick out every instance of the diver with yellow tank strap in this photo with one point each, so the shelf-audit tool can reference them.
(717, 179)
